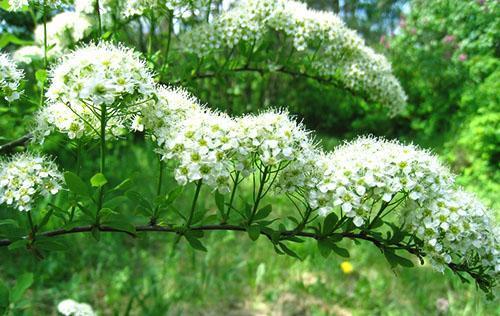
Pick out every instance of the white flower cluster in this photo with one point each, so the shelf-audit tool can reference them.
(26, 54)
(70, 307)
(25, 177)
(63, 31)
(362, 176)
(210, 146)
(16, 5)
(10, 77)
(369, 170)
(179, 7)
(164, 115)
(338, 51)
(456, 227)
(88, 79)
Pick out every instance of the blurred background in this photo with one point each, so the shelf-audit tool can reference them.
(445, 54)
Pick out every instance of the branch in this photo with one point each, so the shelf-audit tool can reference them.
(17, 142)
(456, 268)
(261, 71)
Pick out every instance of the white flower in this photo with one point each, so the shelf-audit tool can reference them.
(24, 177)
(10, 77)
(343, 54)
(70, 307)
(95, 75)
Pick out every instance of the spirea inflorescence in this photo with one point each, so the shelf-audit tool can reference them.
(90, 79)
(341, 54)
(211, 146)
(368, 174)
(10, 78)
(71, 307)
(24, 177)
(63, 32)
(177, 7)
(16, 5)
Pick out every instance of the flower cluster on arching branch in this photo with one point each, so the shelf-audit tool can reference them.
(336, 52)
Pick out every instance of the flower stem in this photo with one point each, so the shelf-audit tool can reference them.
(45, 48)
(98, 13)
(102, 165)
(259, 196)
(169, 40)
(193, 206)
(158, 190)
(231, 199)
(32, 226)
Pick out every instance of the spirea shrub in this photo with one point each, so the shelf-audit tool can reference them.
(398, 197)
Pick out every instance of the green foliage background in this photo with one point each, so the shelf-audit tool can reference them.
(445, 54)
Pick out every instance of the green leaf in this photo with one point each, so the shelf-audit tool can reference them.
(75, 184)
(198, 216)
(138, 199)
(18, 244)
(9, 222)
(324, 247)
(22, 284)
(219, 201)
(329, 223)
(46, 218)
(98, 180)
(4, 4)
(340, 251)
(377, 223)
(106, 212)
(395, 260)
(335, 238)
(263, 212)
(87, 211)
(8, 38)
(41, 75)
(174, 194)
(106, 35)
(288, 251)
(116, 201)
(51, 244)
(195, 243)
(253, 232)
